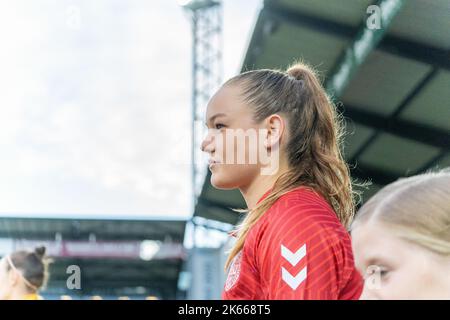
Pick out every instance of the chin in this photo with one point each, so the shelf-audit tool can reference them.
(219, 182)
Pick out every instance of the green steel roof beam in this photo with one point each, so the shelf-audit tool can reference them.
(370, 34)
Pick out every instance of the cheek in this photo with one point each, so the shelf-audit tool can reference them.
(413, 279)
(3, 276)
(397, 287)
(224, 147)
(239, 147)
(425, 280)
(4, 285)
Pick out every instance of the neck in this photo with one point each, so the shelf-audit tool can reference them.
(259, 186)
(19, 294)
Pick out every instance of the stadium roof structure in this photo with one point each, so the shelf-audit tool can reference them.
(392, 85)
(104, 229)
(117, 275)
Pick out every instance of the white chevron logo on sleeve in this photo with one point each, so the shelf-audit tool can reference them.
(292, 281)
(292, 257)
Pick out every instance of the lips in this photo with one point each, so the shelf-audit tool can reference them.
(213, 161)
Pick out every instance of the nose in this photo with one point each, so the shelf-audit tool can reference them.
(367, 294)
(207, 145)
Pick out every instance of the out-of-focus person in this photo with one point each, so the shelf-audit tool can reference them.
(23, 273)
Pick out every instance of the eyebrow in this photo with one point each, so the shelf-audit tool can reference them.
(376, 260)
(217, 115)
(373, 261)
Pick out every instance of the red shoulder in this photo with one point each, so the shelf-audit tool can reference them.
(301, 207)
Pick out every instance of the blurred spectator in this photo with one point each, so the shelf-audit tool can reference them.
(22, 274)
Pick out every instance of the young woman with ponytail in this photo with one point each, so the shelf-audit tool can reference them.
(293, 242)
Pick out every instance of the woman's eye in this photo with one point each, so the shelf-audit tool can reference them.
(219, 126)
(376, 271)
(384, 273)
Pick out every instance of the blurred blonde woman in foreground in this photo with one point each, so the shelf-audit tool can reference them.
(401, 239)
(22, 274)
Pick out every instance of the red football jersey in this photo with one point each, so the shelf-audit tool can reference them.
(297, 250)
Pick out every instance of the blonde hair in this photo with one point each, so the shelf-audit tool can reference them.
(417, 209)
(315, 131)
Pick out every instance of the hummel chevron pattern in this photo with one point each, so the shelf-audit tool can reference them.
(293, 258)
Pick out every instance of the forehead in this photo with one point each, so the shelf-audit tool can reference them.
(374, 239)
(226, 100)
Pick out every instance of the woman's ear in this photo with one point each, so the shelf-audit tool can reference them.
(275, 127)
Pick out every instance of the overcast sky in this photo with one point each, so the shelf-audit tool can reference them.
(95, 105)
